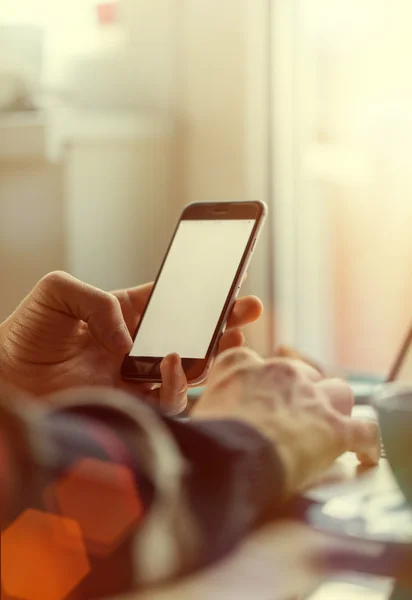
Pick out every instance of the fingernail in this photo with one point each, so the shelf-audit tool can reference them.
(121, 338)
(178, 367)
(181, 381)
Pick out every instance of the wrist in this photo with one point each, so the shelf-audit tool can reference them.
(257, 452)
(280, 434)
(283, 444)
(205, 413)
(304, 448)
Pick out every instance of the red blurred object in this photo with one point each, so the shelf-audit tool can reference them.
(107, 13)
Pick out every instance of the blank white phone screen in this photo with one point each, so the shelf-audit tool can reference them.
(192, 288)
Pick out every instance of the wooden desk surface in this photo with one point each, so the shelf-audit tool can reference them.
(280, 562)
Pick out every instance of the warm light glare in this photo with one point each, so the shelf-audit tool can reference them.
(42, 557)
(102, 498)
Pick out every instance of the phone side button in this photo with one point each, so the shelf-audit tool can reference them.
(253, 245)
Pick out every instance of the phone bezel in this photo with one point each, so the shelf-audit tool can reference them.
(147, 369)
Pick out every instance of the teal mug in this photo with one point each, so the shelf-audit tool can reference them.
(393, 403)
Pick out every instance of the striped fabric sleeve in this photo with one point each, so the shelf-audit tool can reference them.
(154, 498)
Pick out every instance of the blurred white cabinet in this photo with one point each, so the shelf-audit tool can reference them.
(91, 194)
(31, 210)
(118, 198)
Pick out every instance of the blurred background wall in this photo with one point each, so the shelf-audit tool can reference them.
(343, 87)
(115, 114)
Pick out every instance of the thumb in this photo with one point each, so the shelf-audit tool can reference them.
(173, 391)
(100, 310)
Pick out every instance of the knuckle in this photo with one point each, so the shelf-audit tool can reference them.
(107, 302)
(338, 395)
(238, 375)
(338, 426)
(241, 372)
(316, 409)
(333, 422)
(307, 391)
(339, 388)
(53, 280)
(281, 370)
(235, 357)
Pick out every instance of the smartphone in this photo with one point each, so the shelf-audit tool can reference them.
(195, 289)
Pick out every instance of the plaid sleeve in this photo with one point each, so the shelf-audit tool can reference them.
(148, 498)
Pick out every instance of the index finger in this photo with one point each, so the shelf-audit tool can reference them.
(245, 310)
(364, 440)
(133, 302)
(339, 393)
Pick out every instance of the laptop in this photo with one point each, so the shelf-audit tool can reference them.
(402, 367)
(365, 502)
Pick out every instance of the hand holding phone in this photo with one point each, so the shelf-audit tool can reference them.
(200, 275)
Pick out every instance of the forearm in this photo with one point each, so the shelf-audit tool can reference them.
(235, 480)
(201, 487)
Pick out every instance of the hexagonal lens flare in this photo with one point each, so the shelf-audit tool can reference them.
(102, 498)
(43, 557)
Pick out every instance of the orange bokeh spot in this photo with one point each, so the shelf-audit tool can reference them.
(42, 557)
(102, 498)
